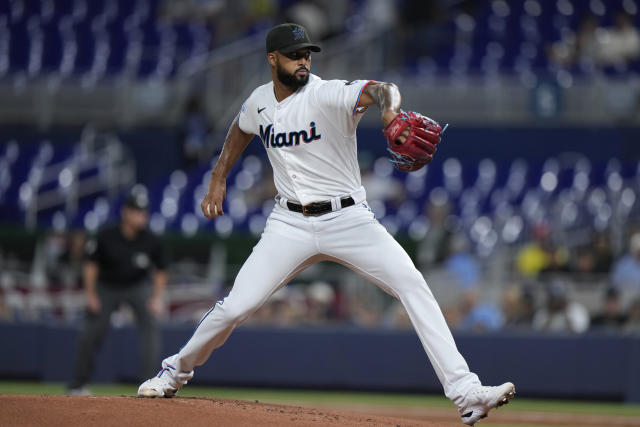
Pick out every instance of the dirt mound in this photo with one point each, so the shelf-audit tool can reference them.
(16, 410)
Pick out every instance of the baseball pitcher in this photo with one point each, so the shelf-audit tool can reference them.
(308, 128)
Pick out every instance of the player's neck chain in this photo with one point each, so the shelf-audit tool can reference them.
(270, 139)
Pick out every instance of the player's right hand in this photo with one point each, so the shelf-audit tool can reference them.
(212, 203)
(93, 303)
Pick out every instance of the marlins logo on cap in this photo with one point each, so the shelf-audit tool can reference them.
(287, 38)
(298, 33)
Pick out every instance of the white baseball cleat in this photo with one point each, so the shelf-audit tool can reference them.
(163, 385)
(479, 401)
(157, 387)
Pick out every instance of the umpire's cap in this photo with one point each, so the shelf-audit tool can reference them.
(288, 38)
(137, 198)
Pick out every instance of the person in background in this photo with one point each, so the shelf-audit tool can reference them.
(611, 317)
(626, 271)
(593, 259)
(558, 261)
(195, 134)
(584, 263)
(519, 307)
(581, 48)
(434, 248)
(620, 44)
(603, 253)
(560, 314)
(535, 256)
(120, 260)
(479, 316)
(462, 264)
(320, 298)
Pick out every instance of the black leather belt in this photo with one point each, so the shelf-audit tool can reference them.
(318, 208)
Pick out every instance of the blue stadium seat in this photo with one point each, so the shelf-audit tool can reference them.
(52, 47)
(62, 36)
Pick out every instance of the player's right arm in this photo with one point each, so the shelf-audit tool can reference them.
(387, 97)
(234, 144)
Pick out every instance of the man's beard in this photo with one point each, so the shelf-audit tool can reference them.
(290, 80)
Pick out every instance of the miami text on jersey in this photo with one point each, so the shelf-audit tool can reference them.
(287, 139)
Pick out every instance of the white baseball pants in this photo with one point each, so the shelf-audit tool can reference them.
(353, 237)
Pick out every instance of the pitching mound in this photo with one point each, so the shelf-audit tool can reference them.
(67, 411)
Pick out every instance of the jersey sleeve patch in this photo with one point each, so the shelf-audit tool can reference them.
(244, 120)
(355, 107)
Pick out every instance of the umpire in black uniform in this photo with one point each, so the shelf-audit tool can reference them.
(120, 261)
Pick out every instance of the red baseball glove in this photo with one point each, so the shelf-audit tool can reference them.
(418, 149)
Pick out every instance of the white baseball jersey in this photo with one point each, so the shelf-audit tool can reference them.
(310, 137)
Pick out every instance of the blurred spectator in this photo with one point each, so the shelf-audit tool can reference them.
(535, 255)
(593, 45)
(462, 264)
(626, 271)
(479, 316)
(286, 307)
(603, 253)
(61, 255)
(362, 314)
(319, 303)
(195, 134)
(519, 307)
(50, 256)
(584, 264)
(120, 261)
(620, 45)
(611, 317)
(312, 15)
(578, 48)
(558, 259)
(380, 14)
(434, 248)
(14, 300)
(320, 298)
(588, 45)
(381, 185)
(560, 314)
(593, 259)
(633, 320)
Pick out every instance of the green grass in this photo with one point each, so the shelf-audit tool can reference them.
(303, 397)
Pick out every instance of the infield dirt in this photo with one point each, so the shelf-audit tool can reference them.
(130, 411)
(119, 411)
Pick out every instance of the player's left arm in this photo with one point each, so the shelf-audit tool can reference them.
(387, 97)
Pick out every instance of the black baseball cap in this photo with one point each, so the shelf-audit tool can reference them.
(288, 38)
(137, 199)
